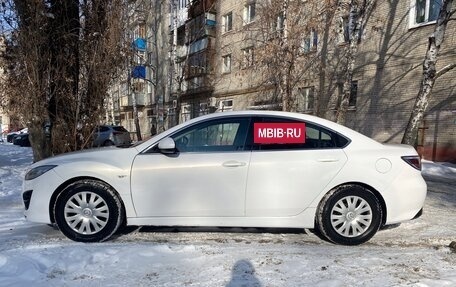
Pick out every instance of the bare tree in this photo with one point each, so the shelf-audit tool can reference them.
(430, 74)
(60, 59)
(352, 17)
(287, 51)
(159, 52)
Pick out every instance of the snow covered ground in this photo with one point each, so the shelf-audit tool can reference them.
(415, 253)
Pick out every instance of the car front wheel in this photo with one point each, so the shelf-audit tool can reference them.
(349, 215)
(88, 211)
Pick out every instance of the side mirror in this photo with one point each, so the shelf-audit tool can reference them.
(167, 145)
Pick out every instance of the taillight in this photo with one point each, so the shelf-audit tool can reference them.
(414, 161)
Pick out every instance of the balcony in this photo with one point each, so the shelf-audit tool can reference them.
(197, 85)
(200, 27)
(142, 99)
(181, 51)
(199, 7)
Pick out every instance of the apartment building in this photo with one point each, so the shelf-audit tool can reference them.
(139, 97)
(221, 62)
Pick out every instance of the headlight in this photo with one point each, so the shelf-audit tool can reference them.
(37, 171)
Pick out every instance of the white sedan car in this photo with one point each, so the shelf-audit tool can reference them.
(251, 169)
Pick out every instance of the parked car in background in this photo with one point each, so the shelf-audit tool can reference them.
(108, 135)
(22, 139)
(246, 169)
(10, 137)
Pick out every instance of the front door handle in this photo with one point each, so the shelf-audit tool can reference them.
(233, 163)
(328, 159)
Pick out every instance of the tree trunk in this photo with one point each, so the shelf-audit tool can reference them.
(350, 57)
(284, 89)
(429, 74)
(320, 99)
(41, 145)
(359, 12)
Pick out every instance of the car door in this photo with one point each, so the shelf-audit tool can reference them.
(205, 177)
(285, 178)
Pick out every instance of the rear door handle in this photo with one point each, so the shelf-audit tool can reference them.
(328, 159)
(233, 163)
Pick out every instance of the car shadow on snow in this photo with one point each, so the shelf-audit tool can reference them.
(208, 229)
(212, 233)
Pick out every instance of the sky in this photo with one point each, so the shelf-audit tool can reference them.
(7, 20)
(415, 253)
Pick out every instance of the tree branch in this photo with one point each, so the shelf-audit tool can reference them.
(444, 70)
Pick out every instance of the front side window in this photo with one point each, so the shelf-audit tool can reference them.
(213, 136)
(424, 11)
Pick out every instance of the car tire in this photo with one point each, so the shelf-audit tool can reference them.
(88, 211)
(349, 215)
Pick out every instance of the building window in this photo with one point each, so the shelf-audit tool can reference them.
(247, 57)
(310, 42)
(226, 105)
(226, 68)
(227, 22)
(140, 31)
(182, 4)
(186, 112)
(203, 109)
(343, 35)
(424, 11)
(353, 94)
(306, 99)
(280, 24)
(249, 13)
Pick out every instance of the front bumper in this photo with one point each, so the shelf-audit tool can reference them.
(40, 190)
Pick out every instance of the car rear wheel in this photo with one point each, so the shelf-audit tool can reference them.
(349, 215)
(88, 211)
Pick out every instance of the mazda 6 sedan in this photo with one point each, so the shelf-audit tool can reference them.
(236, 169)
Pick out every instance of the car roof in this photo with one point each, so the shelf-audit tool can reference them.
(358, 138)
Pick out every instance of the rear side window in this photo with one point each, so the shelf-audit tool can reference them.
(316, 137)
(323, 138)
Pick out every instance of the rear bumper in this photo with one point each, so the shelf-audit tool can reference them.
(405, 197)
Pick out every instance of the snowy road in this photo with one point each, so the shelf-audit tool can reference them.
(415, 253)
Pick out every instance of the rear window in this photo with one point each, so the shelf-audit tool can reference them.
(103, 129)
(120, 129)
